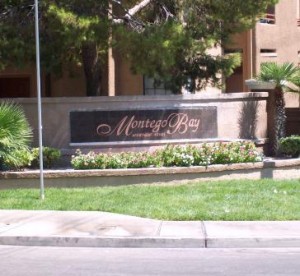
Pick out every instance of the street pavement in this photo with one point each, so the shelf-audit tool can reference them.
(70, 261)
(100, 229)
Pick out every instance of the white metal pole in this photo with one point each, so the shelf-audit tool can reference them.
(38, 77)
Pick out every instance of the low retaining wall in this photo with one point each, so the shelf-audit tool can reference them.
(272, 169)
(239, 115)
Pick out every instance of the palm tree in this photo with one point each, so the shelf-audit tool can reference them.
(15, 133)
(286, 77)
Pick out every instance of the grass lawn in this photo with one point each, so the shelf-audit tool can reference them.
(223, 200)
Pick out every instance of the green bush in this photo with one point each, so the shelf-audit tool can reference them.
(88, 161)
(143, 160)
(122, 160)
(169, 156)
(24, 157)
(290, 146)
(229, 153)
(50, 156)
(15, 135)
(180, 156)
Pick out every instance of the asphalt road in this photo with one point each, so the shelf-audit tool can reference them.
(100, 261)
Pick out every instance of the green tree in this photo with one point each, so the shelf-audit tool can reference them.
(165, 39)
(72, 33)
(286, 77)
(173, 37)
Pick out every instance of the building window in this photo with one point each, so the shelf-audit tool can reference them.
(268, 52)
(14, 87)
(269, 17)
(152, 87)
(232, 51)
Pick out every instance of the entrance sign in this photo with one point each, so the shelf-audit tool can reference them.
(151, 125)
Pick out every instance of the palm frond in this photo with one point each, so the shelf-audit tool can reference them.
(15, 132)
(285, 75)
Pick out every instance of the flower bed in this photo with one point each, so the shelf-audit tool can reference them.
(170, 156)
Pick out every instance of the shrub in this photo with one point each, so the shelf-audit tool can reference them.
(15, 135)
(123, 160)
(24, 157)
(50, 156)
(181, 156)
(236, 152)
(116, 161)
(88, 161)
(290, 146)
(143, 160)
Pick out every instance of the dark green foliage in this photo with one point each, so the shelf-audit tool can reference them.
(50, 156)
(29, 158)
(24, 157)
(290, 145)
(69, 31)
(167, 39)
(15, 135)
(176, 52)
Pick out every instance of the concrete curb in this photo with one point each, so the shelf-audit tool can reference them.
(151, 242)
(114, 242)
(254, 242)
(98, 229)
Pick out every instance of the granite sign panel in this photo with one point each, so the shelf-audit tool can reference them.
(110, 126)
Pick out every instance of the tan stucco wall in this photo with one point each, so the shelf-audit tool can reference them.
(232, 111)
(242, 41)
(284, 36)
(71, 83)
(127, 83)
(292, 100)
(216, 51)
(66, 85)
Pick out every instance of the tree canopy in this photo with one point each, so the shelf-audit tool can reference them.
(167, 40)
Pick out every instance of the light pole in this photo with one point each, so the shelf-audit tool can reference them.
(39, 101)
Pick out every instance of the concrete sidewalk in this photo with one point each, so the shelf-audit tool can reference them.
(99, 229)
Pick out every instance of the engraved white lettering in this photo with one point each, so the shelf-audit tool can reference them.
(179, 123)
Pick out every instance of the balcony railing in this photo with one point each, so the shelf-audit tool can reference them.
(268, 19)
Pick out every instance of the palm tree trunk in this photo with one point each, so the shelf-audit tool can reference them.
(277, 120)
(92, 69)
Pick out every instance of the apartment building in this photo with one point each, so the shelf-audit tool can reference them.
(275, 38)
